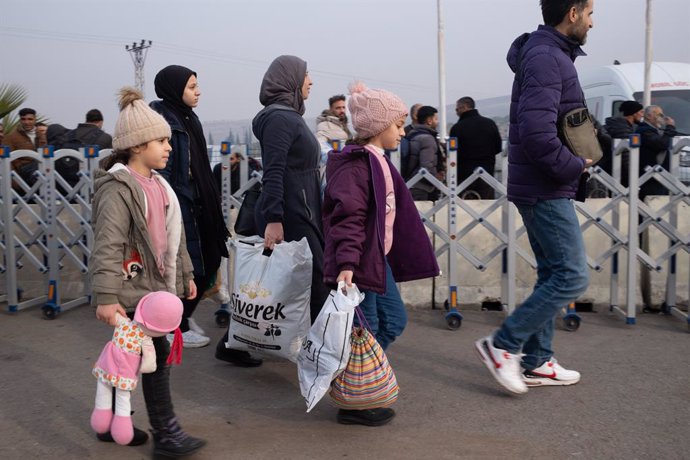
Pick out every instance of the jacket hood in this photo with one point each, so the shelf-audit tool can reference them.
(119, 173)
(423, 129)
(349, 153)
(618, 126)
(326, 115)
(543, 35)
(260, 119)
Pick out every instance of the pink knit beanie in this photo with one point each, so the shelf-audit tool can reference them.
(373, 110)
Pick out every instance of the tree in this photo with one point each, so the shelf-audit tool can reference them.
(11, 97)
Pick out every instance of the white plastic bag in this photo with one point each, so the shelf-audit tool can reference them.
(269, 304)
(326, 350)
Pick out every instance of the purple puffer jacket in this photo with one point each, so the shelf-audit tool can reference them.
(354, 212)
(540, 167)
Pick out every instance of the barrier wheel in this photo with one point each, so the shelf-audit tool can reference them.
(571, 323)
(454, 321)
(49, 311)
(222, 318)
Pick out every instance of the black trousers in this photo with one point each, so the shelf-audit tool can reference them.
(190, 305)
(156, 386)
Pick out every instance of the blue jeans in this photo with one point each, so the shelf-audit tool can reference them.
(562, 276)
(386, 313)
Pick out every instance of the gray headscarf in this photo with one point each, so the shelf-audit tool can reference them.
(282, 83)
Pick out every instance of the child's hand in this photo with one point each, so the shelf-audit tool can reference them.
(108, 313)
(345, 275)
(192, 290)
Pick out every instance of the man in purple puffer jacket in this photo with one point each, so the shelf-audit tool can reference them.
(543, 179)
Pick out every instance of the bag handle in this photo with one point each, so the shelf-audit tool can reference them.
(362, 319)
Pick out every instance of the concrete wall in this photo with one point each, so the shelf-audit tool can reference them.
(474, 286)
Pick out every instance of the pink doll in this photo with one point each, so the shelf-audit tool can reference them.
(129, 352)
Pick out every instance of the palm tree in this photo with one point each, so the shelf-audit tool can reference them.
(11, 97)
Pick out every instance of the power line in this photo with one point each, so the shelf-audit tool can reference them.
(191, 52)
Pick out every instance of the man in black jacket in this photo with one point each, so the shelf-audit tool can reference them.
(621, 128)
(656, 136)
(478, 144)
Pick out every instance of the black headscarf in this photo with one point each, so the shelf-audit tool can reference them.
(282, 83)
(170, 84)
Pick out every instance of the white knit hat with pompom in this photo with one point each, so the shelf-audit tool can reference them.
(137, 123)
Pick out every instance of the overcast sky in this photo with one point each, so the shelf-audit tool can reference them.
(70, 54)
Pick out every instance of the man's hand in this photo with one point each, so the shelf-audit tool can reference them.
(588, 163)
(108, 313)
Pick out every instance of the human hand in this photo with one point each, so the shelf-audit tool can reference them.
(670, 121)
(346, 276)
(273, 234)
(108, 313)
(192, 290)
(588, 163)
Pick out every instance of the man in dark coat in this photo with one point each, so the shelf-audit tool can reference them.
(426, 152)
(478, 144)
(656, 136)
(621, 128)
(543, 179)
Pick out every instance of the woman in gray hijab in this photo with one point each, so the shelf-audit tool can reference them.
(289, 208)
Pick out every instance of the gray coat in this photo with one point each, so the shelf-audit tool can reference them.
(426, 152)
(120, 231)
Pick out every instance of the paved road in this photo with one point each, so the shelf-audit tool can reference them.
(632, 403)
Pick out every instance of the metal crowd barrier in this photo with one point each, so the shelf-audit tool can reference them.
(664, 220)
(46, 226)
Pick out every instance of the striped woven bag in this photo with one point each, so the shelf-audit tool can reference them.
(368, 381)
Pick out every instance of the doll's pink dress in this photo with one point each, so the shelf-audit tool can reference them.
(118, 364)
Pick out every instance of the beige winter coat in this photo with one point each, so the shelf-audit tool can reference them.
(120, 232)
(331, 128)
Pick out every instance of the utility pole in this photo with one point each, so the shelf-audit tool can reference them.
(647, 98)
(441, 74)
(138, 52)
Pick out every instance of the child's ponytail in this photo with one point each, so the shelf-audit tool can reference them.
(118, 156)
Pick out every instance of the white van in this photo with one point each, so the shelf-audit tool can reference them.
(607, 87)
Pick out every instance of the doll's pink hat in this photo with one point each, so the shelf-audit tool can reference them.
(159, 311)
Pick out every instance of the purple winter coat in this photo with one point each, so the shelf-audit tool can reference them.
(354, 213)
(540, 167)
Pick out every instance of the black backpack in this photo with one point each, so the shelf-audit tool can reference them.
(408, 162)
(68, 167)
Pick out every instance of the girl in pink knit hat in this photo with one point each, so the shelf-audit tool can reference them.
(374, 235)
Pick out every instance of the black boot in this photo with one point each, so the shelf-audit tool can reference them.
(173, 442)
(237, 357)
(369, 417)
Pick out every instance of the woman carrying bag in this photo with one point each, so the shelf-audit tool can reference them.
(289, 207)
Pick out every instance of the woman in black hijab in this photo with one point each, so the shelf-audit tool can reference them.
(289, 208)
(189, 173)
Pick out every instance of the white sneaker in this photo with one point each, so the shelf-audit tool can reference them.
(504, 366)
(191, 339)
(550, 373)
(195, 327)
